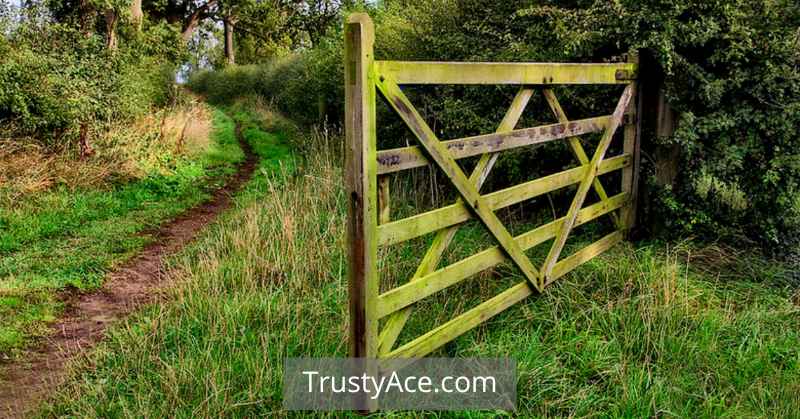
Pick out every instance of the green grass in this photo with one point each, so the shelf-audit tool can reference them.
(63, 239)
(653, 330)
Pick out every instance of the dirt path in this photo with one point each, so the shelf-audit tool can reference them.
(86, 317)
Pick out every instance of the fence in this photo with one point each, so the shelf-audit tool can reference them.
(369, 224)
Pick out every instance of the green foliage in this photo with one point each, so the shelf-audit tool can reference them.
(285, 81)
(54, 78)
(732, 74)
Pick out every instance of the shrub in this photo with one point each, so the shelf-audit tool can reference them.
(732, 75)
(55, 79)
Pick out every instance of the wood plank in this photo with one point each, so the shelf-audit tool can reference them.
(384, 200)
(577, 147)
(418, 225)
(438, 152)
(432, 72)
(412, 292)
(583, 187)
(632, 133)
(361, 184)
(394, 325)
(397, 159)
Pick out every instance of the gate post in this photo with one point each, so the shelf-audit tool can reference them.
(632, 134)
(361, 185)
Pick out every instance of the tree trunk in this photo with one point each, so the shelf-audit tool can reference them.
(136, 14)
(111, 29)
(191, 22)
(83, 141)
(230, 55)
(86, 17)
(189, 27)
(667, 156)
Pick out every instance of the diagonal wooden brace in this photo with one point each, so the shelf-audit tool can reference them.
(468, 192)
(395, 323)
(577, 148)
(583, 188)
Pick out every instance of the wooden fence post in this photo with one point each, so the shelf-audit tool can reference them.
(361, 180)
(632, 134)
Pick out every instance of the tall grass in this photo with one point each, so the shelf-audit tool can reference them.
(636, 332)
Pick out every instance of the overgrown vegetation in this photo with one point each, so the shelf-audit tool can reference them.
(732, 76)
(658, 330)
(63, 87)
(66, 230)
(97, 146)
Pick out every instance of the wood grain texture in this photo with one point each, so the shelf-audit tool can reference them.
(583, 187)
(369, 194)
(384, 200)
(361, 185)
(432, 72)
(418, 225)
(429, 342)
(577, 147)
(440, 279)
(632, 134)
(438, 153)
(404, 158)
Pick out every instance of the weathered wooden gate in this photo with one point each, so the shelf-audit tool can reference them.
(366, 169)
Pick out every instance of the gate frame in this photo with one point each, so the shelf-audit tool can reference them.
(367, 185)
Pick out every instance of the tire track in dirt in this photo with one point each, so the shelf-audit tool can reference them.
(26, 382)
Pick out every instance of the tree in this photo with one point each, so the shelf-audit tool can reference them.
(229, 22)
(136, 14)
(187, 13)
(262, 33)
(111, 28)
(315, 17)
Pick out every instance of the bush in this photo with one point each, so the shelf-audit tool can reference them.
(732, 75)
(55, 79)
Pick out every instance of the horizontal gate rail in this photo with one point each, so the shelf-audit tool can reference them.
(370, 226)
(410, 157)
(425, 72)
(438, 152)
(394, 325)
(438, 280)
(428, 222)
(463, 323)
(586, 183)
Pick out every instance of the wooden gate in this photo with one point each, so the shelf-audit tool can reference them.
(369, 225)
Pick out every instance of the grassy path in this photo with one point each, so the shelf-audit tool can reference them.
(136, 282)
(63, 241)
